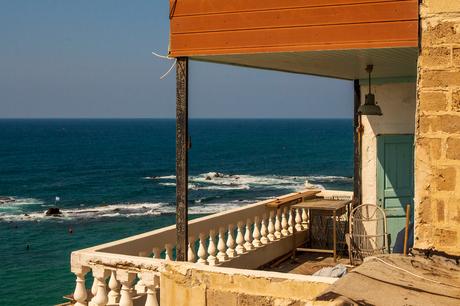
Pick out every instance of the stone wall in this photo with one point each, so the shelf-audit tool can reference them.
(190, 284)
(437, 154)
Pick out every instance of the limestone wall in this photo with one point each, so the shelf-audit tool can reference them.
(437, 154)
(189, 285)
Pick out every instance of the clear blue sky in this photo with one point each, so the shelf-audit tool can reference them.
(92, 58)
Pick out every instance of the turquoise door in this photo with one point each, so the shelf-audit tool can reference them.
(395, 181)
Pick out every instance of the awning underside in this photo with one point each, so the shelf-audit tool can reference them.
(343, 64)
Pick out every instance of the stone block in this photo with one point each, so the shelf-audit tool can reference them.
(439, 6)
(445, 237)
(441, 123)
(439, 79)
(449, 124)
(431, 147)
(221, 298)
(440, 32)
(423, 236)
(432, 101)
(435, 57)
(453, 148)
(456, 100)
(453, 212)
(456, 56)
(440, 208)
(423, 212)
(445, 179)
(429, 124)
(250, 300)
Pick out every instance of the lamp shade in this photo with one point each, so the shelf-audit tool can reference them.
(370, 108)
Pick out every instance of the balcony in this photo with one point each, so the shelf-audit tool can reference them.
(224, 250)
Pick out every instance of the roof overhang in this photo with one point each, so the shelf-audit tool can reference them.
(343, 64)
(334, 38)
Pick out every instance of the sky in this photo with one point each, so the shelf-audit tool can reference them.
(93, 59)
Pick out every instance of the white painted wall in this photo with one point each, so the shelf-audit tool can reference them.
(397, 101)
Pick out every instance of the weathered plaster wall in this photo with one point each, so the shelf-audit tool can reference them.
(190, 285)
(437, 155)
(397, 101)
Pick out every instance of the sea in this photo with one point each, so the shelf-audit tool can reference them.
(113, 178)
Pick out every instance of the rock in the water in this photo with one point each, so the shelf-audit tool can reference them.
(53, 211)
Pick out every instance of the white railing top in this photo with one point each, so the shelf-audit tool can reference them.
(135, 264)
(167, 235)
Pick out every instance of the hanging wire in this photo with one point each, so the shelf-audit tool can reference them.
(168, 58)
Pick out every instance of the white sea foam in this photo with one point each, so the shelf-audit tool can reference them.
(166, 177)
(16, 201)
(119, 210)
(169, 184)
(221, 181)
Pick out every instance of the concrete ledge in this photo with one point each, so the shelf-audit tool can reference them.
(191, 284)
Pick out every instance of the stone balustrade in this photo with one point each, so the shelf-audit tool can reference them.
(127, 271)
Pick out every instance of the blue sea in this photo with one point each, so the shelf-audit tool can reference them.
(115, 178)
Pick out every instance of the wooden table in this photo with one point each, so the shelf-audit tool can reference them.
(325, 207)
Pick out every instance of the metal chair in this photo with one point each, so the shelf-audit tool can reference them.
(367, 232)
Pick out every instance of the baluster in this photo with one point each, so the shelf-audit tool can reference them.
(140, 286)
(94, 287)
(80, 295)
(284, 222)
(126, 279)
(202, 250)
(151, 281)
(212, 259)
(305, 224)
(230, 242)
(191, 255)
(298, 219)
(239, 239)
(169, 254)
(271, 227)
(156, 253)
(248, 236)
(277, 225)
(290, 222)
(114, 285)
(221, 256)
(256, 233)
(263, 231)
(101, 298)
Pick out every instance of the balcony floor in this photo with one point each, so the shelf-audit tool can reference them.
(306, 263)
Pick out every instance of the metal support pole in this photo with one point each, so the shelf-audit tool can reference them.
(182, 158)
(357, 194)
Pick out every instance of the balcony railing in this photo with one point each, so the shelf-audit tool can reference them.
(127, 271)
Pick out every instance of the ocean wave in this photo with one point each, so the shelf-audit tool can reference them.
(11, 201)
(120, 210)
(166, 177)
(89, 212)
(330, 179)
(169, 184)
(223, 181)
(222, 187)
(215, 180)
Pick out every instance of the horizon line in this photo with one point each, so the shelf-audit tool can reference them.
(171, 118)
